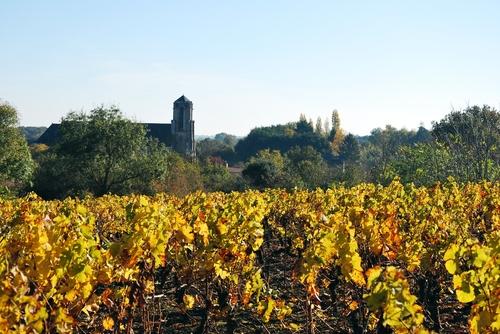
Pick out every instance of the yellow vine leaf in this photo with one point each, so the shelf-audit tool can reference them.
(188, 301)
(221, 227)
(108, 323)
(265, 308)
(450, 259)
(465, 292)
(185, 233)
(219, 271)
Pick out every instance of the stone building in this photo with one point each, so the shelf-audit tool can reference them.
(178, 135)
(182, 127)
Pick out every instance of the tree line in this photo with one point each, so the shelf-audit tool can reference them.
(102, 152)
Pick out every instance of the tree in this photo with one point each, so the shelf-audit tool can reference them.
(382, 146)
(282, 138)
(349, 149)
(319, 126)
(181, 178)
(349, 171)
(266, 170)
(422, 164)
(306, 165)
(301, 166)
(326, 127)
(208, 147)
(216, 177)
(16, 165)
(227, 139)
(304, 126)
(101, 152)
(422, 136)
(336, 133)
(472, 136)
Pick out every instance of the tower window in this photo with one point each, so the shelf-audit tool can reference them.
(180, 121)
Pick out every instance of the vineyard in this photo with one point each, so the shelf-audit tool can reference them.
(367, 259)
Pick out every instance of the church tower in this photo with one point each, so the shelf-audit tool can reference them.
(183, 127)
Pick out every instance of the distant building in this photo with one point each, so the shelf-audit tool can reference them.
(178, 135)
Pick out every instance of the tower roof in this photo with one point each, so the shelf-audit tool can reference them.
(182, 99)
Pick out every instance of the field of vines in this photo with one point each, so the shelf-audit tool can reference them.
(366, 259)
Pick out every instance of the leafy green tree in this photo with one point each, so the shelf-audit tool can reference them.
(349, 149)
(227, 139)
(473, 138)
(101, 152)
(382, 147)
(16, 165)
(301, 166)
(267, 170)
(303, 126)
(423, 164)
(422, 136)
(216, 177)
(306, 165)
(349, 170)
(282, 138)
(208, 148)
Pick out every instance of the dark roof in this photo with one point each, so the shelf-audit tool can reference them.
(50, 135)
(182, 99)
(161, 131)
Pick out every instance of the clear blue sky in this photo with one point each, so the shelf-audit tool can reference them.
(251, 63)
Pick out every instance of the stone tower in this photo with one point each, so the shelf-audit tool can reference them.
(183, 127)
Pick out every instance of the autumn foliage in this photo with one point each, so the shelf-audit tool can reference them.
(362, 259)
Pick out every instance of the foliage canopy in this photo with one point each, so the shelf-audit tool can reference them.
(101, 152)
(16, 165)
